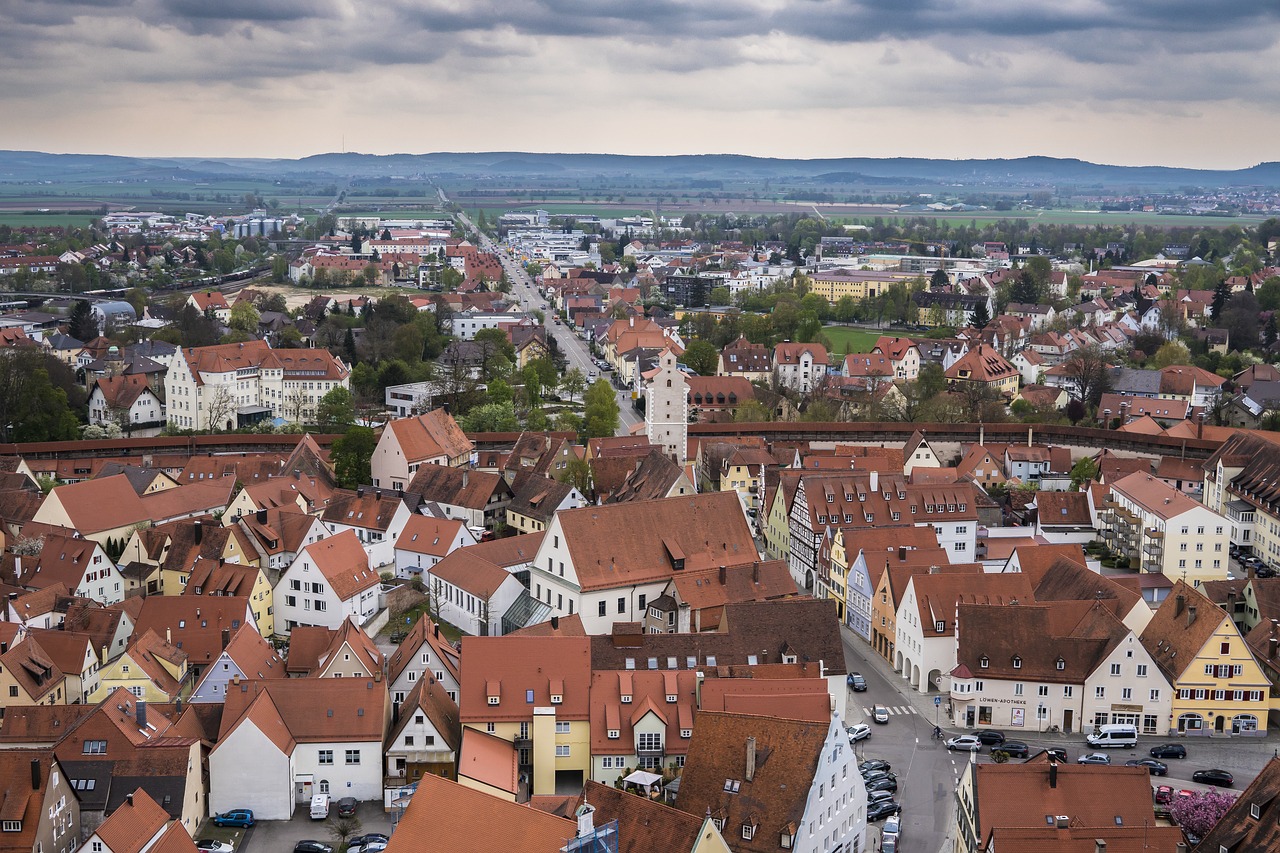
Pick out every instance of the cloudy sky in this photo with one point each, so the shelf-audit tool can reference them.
(1170, 82)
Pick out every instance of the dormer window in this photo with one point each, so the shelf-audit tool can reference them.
(626, 698)
(984, 662)
(614, 734)
(556, 698)
(1061, 664)
(671, 697)
(940, 626)
(1017, 662)
(748, 831)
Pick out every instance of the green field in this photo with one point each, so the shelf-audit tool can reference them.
(1061, 217)
(856, 340)
(45, 220)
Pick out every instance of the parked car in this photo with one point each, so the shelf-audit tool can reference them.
(1168, 750)
(880, 714)
(1014, 749)
(1264, 572)
(989, 737)
(885, 783)
(211, 845)
(880, 811)
(967, 743)
(892, 826)
(874, 775)
(366, 839)
(1164, 795)
(1157, 768)
(872, 764)
(878, 796)
(1094, 758)
(368, 847)
(1221, 778)
(856, 682)
(347, 806)
(1056, 753)
(889, 844)
(857, 732)
(235, 817)
(312, 847)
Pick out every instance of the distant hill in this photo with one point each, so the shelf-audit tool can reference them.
(1023, 171)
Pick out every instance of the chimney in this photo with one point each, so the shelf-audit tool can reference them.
(1191, 615)
(140, 713)
(35, 774)
(751, 759)
(723, 575)
(1099, 846)
(1030, 430)
(464, 478)
(199, 532)
(262, 516)
(104, 655)
(1180, 601)
(128, 800)
(377, 676)
(555, 623)
(755, 572)
(226, 638)
(168, 638)
(1053, 773)
(4, 647)
(437, 631)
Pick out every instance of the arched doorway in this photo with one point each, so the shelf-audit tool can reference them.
(899, 662)
(931, 684)
(915, 677)
(1244, 723)
(1219, 723)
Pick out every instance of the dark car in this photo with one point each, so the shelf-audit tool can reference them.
(1014, 749)
(876, 775)
(235, 817)
(1056, 753)
(856, 682)
(880, 811)
(347, 806)
(312, 847)
(878, 796)
(1157, 768)
(1221, 778)
(872, 764)
(1264, 572)
(888, 783)
(989, 737)
(1168, 750)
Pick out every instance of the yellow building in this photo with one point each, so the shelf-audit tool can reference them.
(151, 668)
(777, 521)
(1218, 686)
(833, 285)
(222, 577)
(743, 472)
(983, 365)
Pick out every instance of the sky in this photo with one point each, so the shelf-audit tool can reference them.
(1130, 82)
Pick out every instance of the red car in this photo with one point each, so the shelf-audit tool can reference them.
(1164, 795)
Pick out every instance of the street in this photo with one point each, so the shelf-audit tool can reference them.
(575, 350)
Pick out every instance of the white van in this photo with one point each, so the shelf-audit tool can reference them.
(319, 806)
(1118, 735)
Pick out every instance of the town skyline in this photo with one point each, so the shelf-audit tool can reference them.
(781, 79)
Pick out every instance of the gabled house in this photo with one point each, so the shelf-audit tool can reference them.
(743, 358)
(246, 656)
(800, 366)
(193, 624)
(220, 578)
(127, 401)
(425, 541)
(643, 824)
(375, 516)
(328, 581)
(282, 740)
(983, 365)
(918, 453)
(537, 499)
(136, 827)
(474, 594)
(103, 510)
(41, 811)
(151, 668)
(278, 535)
(29, 676)
(478, 498)
(903, 355)
(640, 719)
(406, 444)
(815, 800)
(74, 654)
(82, 565)
(422, 653)
(1219, 688)
(426, 734)
(347, 652)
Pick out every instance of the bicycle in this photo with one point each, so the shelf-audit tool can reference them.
(937, 733)
(1052, 730)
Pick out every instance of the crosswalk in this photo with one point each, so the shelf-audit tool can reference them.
(894, 709)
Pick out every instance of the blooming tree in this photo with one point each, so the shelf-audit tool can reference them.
(1199, 812)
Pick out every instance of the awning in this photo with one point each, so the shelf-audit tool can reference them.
(644, 778)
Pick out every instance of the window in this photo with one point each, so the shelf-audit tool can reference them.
(1115, 669)
(95, 747)
(353, 756)
(984, 661)
(326, 756)
(602, 608)
(1099, 693)
(1226, 648)
(1142, 670)
(1017, 689)
(649, 741)
(748, 831)
(408, 740)
(562, 727)
(562, 750)
(1061, 664)
(1254, 811)
(1067, 690)
(1017, 662)
(940, 626)
(1042, 690)
(1126, 694)
(622, 605)
(12, 826)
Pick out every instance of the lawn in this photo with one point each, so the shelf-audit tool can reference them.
(46, 220)
(844, 339)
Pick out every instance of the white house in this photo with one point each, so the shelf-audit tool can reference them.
(377, 517)
(423, 651)
(283, 740)
(247, 656)
(1160, 529)
(81, 564)
(472, 593)
(126, 401)
(425, 541)
(328, 581)
(407, 443)
(800, 367)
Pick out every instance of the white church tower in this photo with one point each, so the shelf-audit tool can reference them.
(666, 410)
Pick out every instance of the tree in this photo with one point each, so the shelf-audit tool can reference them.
(702, 357)
(491, 417)
(279, 269)
(336, 410)
(32, 407)
(601, 416)
(1240, 319)
(577, 473)
(1169, 354)
(1084, 470)
(219, 408)
(721, 296)
(1088, 374)
(350, 455)
(81, 324)
(981, 316)
(1199, 812)
(244, 317)
(751, 412)
(344, 828)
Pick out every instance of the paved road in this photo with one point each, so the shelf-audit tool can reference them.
(575, 350)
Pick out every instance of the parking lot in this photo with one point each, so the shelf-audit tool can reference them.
(279, 836)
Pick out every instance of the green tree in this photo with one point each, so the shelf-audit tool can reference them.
(1084, 470)
(573, 383)
(702, 357)
(577, 473)
(1171, 353)
(350, 455)
(244, 317)
(81, 324)
(721, 296)
(601, 416)
(32, 406)
(981, 316)
(279, 269)
(336, 410)
(490, 417)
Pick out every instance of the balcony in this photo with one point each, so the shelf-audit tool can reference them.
(651, 750)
